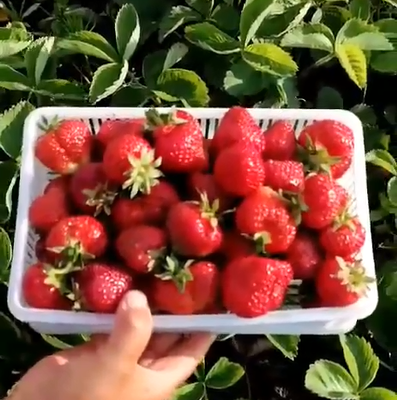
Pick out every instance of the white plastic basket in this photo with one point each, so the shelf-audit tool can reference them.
(34, 177)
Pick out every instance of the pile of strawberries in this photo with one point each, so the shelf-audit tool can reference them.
(200, 225)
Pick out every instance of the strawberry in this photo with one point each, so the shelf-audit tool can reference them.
(140, 246)
(201, 182)
(112, 128)
(42, 290)
(280, 141)
(237, 125)
(235, 245)
(178, 142)
(339, 283)
(129, 161)
(239, 170)
(60, 182)
(264, 216)
(252, 286)
(65, 146)
(42, 254)
(305, 256)
(193, 228)
(151, 209)
(345, 237)
(77, 238)
(101, 286)
(90, 189)
(187, 289)
(288, 176)
(329, 146)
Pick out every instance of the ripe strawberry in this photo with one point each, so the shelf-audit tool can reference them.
(280, 141)
(101, 286)
(90, 189)
(239, 170)
(193, 228)
(112, 128)
(323, 199)
(48, 209)
(330, 146)
(42, 290)
(140, 246)
(42, 254)
(253, 286)
(305, 256)
(188, 289)
(288, 176)
(77, 237)
(339, 283)
(178, 142)
(264, 216)
(60, 183)
(65, 146)
(201, 182)
(345, 237)
(129, 161)
(235, 245)
(237, 125)
(150, 209)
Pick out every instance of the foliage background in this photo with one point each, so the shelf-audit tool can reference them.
(257, 53)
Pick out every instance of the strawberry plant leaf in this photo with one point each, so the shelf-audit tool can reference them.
(127, 31)
(378, 393)
(226, 17)
(5, 255)
(9, 173)
(182, 84)
(392, 189)
(191, 391)
(209, 37)
(60, 89)
(361, 360)
(11, 128)
(353, 61)
(354, 27)
(223, 374)
(330, 98)
(383, 159)
(11, 47)
(360, 9)
(107, 80)
(133, 95)
(388, 26)
(330, 380)
(13, 80)
(268, 57)
(204, 7)
(287, 344)
(374, 41)
(385, 62)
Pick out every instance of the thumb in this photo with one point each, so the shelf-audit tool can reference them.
(132, 330)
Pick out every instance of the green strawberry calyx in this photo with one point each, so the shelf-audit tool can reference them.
(101, 198)
(209, 210)
(57, 280)
(344, 219)
(49, 125)
(155, 119)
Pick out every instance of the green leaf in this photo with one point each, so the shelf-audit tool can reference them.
(267, 57)
(183, 84)
(5, 254)
(209, 37)
(360, 9)
(252, 16)
(388, 26)
(378, 393)
(383, 159)
(89, 43)
(311, 36)
(224, 374)
(353, 61)
(9, 173)
(330, 380)
(191, 391)
(178, 16)
(392, 189)
(204, 7)
(127, 31)
(11, 47)
(175, 54)
(354, 27)
(385, 62)
(287, 344)
(13, 80)
(11, 128)
(226, 17)
(60, 89)
(329, 98)
(134, 95)
(361, 360)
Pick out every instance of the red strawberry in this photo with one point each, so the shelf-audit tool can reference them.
(305, 256)
(75, 237)
(344, 238)
(330, 146)
(253, 286)
(239, 170)
(280, 141)
(60, 183)
(185, 290)
(65, 146)
(42, 254)
(90, 189)
(193, 228)
(237, 125)
(114, 127)
(129, 161)
(235, 245)
(201, 182)
(178, 142)
(288, 176)
(101, 286)
(264, 216)
(140, 246)
(323, 199)
(339, 283)
(42, 290)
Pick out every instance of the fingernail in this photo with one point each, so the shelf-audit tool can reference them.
(135, 299)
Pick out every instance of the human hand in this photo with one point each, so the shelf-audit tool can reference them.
(128, 364)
